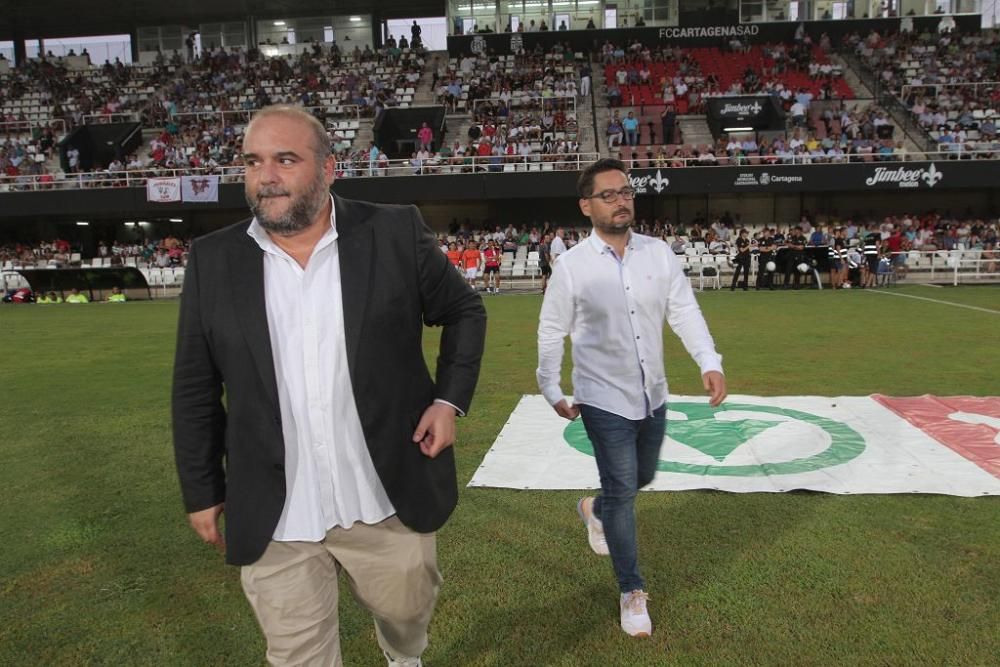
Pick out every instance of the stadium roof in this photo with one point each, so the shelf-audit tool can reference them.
(59, 18)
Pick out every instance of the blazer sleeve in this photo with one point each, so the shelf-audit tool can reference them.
(199, 419)
(448, 301)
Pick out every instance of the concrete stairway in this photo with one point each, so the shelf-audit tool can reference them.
(694, 130)
(852, 78)
(867, 96)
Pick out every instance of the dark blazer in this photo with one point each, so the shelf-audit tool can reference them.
(394, 280)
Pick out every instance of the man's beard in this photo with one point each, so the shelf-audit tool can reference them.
(611, 226)
(298, 215)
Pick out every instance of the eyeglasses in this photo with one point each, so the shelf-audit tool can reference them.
(611, 196)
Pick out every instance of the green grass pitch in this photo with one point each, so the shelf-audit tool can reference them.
(99, 567)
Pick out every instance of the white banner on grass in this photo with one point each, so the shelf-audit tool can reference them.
(849, 444)
(163, 190)
(200, 188)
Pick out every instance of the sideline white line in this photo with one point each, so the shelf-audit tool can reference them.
(947, 303)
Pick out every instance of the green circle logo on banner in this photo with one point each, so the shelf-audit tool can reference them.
(719, 438)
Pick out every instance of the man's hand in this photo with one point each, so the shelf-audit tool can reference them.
(715, 385)
(566, 411)
(436, 429)
(206, 524)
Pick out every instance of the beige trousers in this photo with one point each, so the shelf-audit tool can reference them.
(391, 570)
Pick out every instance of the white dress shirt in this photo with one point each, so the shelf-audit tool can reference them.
(556, 247)
(329, 475)
(613, 311)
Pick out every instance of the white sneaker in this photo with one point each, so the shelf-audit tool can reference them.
(635, 617)
(595, 529)
(402, 662)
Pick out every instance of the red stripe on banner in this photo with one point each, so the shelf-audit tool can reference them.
(968, 425)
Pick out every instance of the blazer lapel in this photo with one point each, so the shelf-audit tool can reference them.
(246, 276)
(355, 250)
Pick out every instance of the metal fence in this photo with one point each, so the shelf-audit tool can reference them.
(523, 102)
(979, 89)
(345, 169)
(108, 118)
(243, 116)
(467, 164)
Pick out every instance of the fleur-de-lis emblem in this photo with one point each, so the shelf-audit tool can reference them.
(931, 176)
(659, 183)
(756, 107)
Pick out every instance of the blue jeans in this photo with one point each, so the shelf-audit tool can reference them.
(627, 452)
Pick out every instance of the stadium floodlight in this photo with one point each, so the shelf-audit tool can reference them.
(279, 23)
(82, 223)
(176, 219)
(355, 19)
(737, 129)
(130, 224)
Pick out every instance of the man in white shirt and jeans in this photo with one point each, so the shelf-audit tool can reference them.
(611, 294)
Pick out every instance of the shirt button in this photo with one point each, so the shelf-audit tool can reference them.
(637, 338)
(632, 312)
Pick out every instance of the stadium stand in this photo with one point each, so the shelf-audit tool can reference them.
(685, 77)
(948, 82)
(507, 112)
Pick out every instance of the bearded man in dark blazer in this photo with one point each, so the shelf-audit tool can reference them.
(302, 406)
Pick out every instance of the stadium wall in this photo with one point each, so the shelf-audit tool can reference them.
(844, 179)
(694, 34)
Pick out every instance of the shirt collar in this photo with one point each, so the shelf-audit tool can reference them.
(601, 247)
(267, 244)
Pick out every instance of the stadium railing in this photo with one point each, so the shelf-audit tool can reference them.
(108, 118)
(242, 116)
(520, 101)
(345, 169)
(436, 166)
(980, 89)
(971, 150)
(10, 127)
